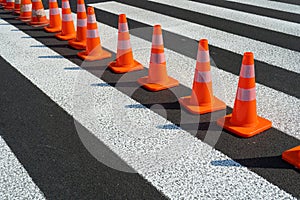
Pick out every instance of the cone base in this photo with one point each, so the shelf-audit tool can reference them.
(39, 24)
(262, 125)
(135, 66)
(17, 12)
(65, 37)
(292, 156)
(216, 105)
(144, 81)
(77, 44)
(52, 29)
(84, 55)
(23, 19)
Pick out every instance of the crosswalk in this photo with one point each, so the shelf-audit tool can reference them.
(148, 133)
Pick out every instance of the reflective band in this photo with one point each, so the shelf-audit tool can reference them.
(157, 40)
(65, 4)
(124, 44)
(80, 8)
(67, 17)
(18, 2)
(91, 19)
(246, 94)
(39, 12)
(26, 8)
(92, 33)
(123, 27)
(81, 22)
(158, 58)
(247, 71)
(10, 1)
(54, 11)
(52, 1)
(202, 77)
(203, 56)
(34, 1)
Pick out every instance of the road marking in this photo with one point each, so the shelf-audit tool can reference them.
(174, 161)
(270, 54)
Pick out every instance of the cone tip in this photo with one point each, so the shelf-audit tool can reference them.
(122, 18)
(90, 10)
(248, 58)
(157, 29)
(203, 44)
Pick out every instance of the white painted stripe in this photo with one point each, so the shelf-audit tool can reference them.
(170, 159)
(54, 11)
(15, 182)
(67, 17)
(157, 40)
(26, 7)
(237, 16)
(202, 77)
(81, 22)
(203, 56)
(81, 8)
(157, 58)
(247, 71)
(65, 4)
(124, 44)
(270, 54)
(246, 94)
(271, 5)
(91, 19)
(92, 33)
(123, 27)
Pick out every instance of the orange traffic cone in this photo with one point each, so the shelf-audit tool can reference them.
(2, 3)
(55, 20)
(157, 78)
(202, 100)
(17, 7)
(67, 29)
(94, 49)
(38, 16)
(125, 61)
(244, 120)
(10, 5)
(292, 156)
(26, 10)
(80, 41)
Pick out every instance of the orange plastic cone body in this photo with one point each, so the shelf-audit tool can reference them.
(38, 16)
(54, 15)
(26, 10)
(80, 41)
(124, 62)
(292, 156)
(244, 121)
(157, 78)
(67, 29)
(3, 2)
(10, 5)
(93, 49)
(17, 7)
(202, 100)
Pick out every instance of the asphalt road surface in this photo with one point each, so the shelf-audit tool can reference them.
(75, 130)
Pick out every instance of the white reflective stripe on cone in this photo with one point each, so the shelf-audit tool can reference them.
(52, 1)
(91, 19)
(124, 44)
(157, 40)
(40, 12)
(81, 22)
(34, 1)
(202, 77)
(123, 27)
(18, 2)
(92, 33)
(65, 4)
(67, 17)
(247, 71)
(157, 58)
(10, 1)
(26, 7)
(246, 94)
(202, 56)
(80, 8)
(54, 11)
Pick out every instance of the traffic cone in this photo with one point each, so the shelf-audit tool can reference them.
(17, 7)
(2, 3)
(80, 41)
(10, 5)
(55, 20)
(26, 10)
(202, 99)
(93, 49)
(38, 16)
(67, 29)
(244, 121)
(125, 61)
(157, 78)
(292, 156)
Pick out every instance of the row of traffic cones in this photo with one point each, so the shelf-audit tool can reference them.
(243, 121)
